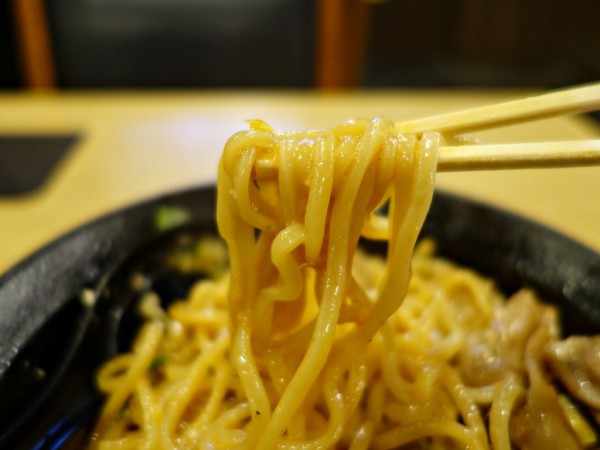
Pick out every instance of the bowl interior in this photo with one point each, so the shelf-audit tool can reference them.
(53, 341)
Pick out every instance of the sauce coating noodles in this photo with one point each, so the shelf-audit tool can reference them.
(310, 343)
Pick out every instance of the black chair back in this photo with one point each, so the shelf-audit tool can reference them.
(182, 43)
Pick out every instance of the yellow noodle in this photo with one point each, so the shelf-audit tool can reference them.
(500, 413)
(152, 415)
(308, 342)
(186, 389)
(321, 184)
(401, 435)
(217, 393)
(144, 351)
(362, 438)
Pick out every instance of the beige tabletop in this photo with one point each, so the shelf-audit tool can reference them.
(134, 146)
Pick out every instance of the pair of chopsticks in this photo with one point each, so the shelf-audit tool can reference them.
(513, 156)
(505, 156)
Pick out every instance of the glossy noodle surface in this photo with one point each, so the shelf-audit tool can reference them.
(309, 342)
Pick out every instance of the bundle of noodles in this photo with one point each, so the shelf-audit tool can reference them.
(310, 343)
(301, 321)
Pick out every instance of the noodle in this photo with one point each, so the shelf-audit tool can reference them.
(308, 342)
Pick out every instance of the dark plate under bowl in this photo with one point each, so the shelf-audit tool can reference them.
(51, 341)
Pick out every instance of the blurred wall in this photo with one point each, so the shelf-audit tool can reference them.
(183, 43)
(483, 43)
(271, 43)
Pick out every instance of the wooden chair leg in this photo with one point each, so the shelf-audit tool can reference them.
(34, 42)
(341, 32)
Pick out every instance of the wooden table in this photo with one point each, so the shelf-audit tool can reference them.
(138, 145)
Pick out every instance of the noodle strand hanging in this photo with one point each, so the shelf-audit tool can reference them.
(310, 342)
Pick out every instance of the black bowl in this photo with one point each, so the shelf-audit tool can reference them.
(51, 341)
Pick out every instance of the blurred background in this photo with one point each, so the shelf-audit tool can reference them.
(157, 44)
(144, 93)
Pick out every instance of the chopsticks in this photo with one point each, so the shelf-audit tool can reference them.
(519, 156)
(495, 157)
(502, 156)
(557, 103)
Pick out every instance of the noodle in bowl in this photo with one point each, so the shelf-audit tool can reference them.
(309, 342)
